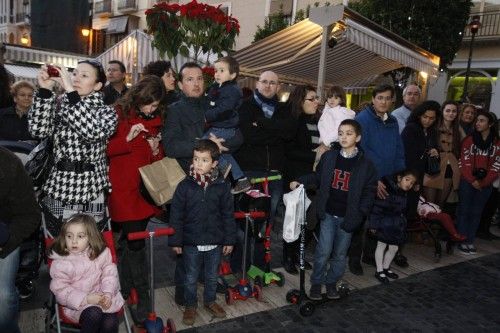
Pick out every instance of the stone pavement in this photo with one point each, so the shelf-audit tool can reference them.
(464, 297)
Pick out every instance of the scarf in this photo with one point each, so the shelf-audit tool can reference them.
(203, 180)
(268, 105)
(477, 138)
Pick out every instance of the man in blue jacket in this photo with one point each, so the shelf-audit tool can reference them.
(383, 146)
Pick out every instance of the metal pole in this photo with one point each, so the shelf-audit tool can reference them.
(322, 59)
(465, 94)
(152, 273)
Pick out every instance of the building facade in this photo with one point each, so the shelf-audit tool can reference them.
(15, 22)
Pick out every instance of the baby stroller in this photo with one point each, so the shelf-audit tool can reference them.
(55, 320)
(30, 248)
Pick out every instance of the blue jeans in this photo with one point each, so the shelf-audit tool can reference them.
(224, 159)
(8, 293)
(331, 237)
(470, 207)
(275, 188)
(193, 260)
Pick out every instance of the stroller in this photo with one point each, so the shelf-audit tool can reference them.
(55, 320)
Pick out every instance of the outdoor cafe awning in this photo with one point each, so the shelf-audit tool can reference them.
(363, 50)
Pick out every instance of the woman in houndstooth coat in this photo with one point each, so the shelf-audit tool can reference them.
(80, 125)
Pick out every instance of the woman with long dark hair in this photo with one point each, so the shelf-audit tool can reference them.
(136, 143)
(163, 69)
(480, 165)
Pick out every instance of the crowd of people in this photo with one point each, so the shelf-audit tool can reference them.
(369, 174)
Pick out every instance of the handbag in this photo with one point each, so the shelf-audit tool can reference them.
(161, 179)
(40, 162)
(432, 164)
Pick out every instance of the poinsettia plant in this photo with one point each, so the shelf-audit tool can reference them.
(203, 28)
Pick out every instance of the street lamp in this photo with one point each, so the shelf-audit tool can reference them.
(87, 35)
(474, 26)
(25, 40)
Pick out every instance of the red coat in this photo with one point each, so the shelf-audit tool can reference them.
(473, 157)
(125, 158)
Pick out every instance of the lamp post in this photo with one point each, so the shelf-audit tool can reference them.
(474, 26)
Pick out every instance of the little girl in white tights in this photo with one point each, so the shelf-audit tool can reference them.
(387, 221)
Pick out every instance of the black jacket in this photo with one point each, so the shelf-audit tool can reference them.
(362, 188)
(111, 95)
(223, 104)
(185, 123)
(19, 212)
(264, 145)
(416, 143)
(202, 216)
(13, 128)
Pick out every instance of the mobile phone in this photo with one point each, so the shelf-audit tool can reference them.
(52, 71)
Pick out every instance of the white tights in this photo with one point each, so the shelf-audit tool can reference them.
(384, 261)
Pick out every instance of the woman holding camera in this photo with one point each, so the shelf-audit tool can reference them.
(480, 165)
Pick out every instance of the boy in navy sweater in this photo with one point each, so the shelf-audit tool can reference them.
(347, 183)
(202, 215)
(224, 98)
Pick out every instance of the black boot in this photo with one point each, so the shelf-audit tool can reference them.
(140, 276)
(288, 262)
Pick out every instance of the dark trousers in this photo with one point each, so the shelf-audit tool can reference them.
(362, 243)
(489, 210)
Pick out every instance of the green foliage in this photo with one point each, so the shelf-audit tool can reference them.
(272, 24)
(433, 25)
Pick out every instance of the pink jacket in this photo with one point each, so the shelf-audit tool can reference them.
(75, 276)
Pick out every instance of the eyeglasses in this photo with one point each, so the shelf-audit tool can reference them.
(271, 83)
(384, 98)
(312, 99)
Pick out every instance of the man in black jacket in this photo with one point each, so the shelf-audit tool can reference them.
(19, 218)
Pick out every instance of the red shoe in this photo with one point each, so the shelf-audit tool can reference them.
(457, 237)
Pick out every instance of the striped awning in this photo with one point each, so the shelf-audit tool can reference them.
(23, 54)
(25, 73)
(361, 53)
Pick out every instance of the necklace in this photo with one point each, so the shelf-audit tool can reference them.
(349, 155)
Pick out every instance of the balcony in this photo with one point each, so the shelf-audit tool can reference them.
(127, 6)
(490, 26)
(103, 8)
(22, 19)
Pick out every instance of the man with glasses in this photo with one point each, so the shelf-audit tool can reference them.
(116, 88)
(411, 98)
(382, 144)
(266, 125)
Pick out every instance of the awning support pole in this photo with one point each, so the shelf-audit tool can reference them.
(322, 59)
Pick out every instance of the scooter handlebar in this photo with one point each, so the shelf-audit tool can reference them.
(146, 234)
(254, 215)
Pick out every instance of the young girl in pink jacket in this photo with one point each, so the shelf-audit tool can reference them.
(84, 277)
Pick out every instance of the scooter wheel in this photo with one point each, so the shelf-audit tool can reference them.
(258, 281)
(170, 326)
(292, 296)
(229, 296)
(281, 281)
(257, 292)
(307, 309)
(343, 290)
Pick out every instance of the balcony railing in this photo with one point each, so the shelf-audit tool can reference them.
(127, 5)
(102, 7)
(22, 18)
(490, 25)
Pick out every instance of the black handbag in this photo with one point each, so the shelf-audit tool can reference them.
(40, 162)
(432, 164)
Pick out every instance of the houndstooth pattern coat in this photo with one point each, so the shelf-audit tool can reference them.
(81, 134)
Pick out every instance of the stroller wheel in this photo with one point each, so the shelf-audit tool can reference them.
(307, 309)
(281, 281)
(170, 326)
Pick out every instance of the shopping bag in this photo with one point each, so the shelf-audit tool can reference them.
(161, 179)
(295, 213)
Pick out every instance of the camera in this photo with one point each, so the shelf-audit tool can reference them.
(479, 173)
(52, 71)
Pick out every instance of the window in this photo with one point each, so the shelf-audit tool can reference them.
(286, 6)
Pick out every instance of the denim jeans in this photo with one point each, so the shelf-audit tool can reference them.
(224, 159)
(470, 207)
(8, 293)
(193, 260)
(275, 188)
(331, 237)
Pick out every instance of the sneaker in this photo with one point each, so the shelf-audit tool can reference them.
(401, 260)
(315, 292)
(463, 248)
(189, 316)
(224, 170)
(331, 291)
(216, 310)
(472, 249)
(382, 277)
(355, 267)
(390, 274)
(242, 185)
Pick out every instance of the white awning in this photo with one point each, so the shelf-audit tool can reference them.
(17, 53)
(26, 73)
(117, 25)
(363, 50)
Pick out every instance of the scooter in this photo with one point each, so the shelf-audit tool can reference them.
(154, 324)
(243, 290)
(299, 297)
